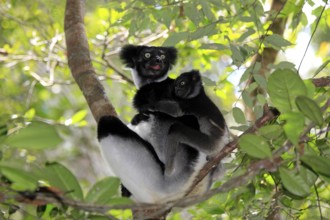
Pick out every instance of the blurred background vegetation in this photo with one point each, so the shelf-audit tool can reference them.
(218, 37)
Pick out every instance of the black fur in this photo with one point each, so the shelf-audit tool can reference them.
(199, 105)
(184, 96)
(170, 89)
(150, 68)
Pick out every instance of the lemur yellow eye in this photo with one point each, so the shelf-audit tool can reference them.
(162, 56)
(182, 83)
(147, 55)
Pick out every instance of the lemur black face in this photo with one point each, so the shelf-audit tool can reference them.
(152, 62)
(149, 62)
(188, 85)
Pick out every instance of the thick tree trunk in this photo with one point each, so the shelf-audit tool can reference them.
(269, 54)
(82, 69)
(80, 62)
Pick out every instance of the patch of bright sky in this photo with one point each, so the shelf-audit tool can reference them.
(295, 53)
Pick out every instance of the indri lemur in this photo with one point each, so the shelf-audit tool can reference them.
(184, 96)
(133, 159)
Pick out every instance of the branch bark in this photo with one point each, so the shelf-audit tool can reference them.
(269, 54)
(80, 62)
(322, 82)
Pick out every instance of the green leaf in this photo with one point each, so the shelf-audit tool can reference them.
(175, 38)
(98, 217)
(309, 176)
(207, 30)
(255, 146)
(247, 99)
(79, 116)
(277, 41)
(37, 135)
(294, 183)
(249, 32)
(192, 12)
(319, 164)
(213, 46)
(283, 88)
(284, 65)
(239, 115)
(321, 67)
(120, 201)
(237, 55)
(21, 179)
(59, 176)
(271, 131)
(294, 125)
(206, 10)
(310, 109)
(246, 75)
(261, 99)
(103, 191)
(260, 80)
(208, 82)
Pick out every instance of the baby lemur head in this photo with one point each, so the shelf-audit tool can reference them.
(188, 85)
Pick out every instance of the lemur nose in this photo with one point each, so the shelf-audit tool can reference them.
(158, 59)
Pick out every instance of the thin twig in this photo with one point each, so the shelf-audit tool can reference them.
(310, 39)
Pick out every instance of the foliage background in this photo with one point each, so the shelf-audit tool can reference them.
(220, 38)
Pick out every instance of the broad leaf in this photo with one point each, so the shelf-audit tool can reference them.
(249, 32)
(277, 41)
(78, 117)
(37, 135)
(255, 146)
(59, 176)
(260, 80)
(294, 125)
(213, 46)
(284, 65)
(237, 55)
(310, 109)
(239, 115)
(319, 164)
(103, 191)
(192, 12)
(271, 131)
(175, 38)
(294, 183)
(22, 180)
(247, 99)
(283, 88)
(206, 10)
(207, 30)
(321, 67)
(309, 176)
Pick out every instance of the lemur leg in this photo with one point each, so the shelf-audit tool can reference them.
(180, 133)
(135, 162)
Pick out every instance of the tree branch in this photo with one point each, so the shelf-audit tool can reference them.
(322, 82)
(150, 210)
(80, 62)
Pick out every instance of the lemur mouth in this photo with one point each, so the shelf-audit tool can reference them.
(155, 67)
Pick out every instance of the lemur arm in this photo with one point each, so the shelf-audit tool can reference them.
(169, 107)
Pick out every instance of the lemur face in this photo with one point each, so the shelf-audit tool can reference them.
(188, 85)
(152, 62)
(149, 62)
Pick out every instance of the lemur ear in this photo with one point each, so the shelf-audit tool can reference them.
(172, 54)
(196, 75)
(129, 54)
